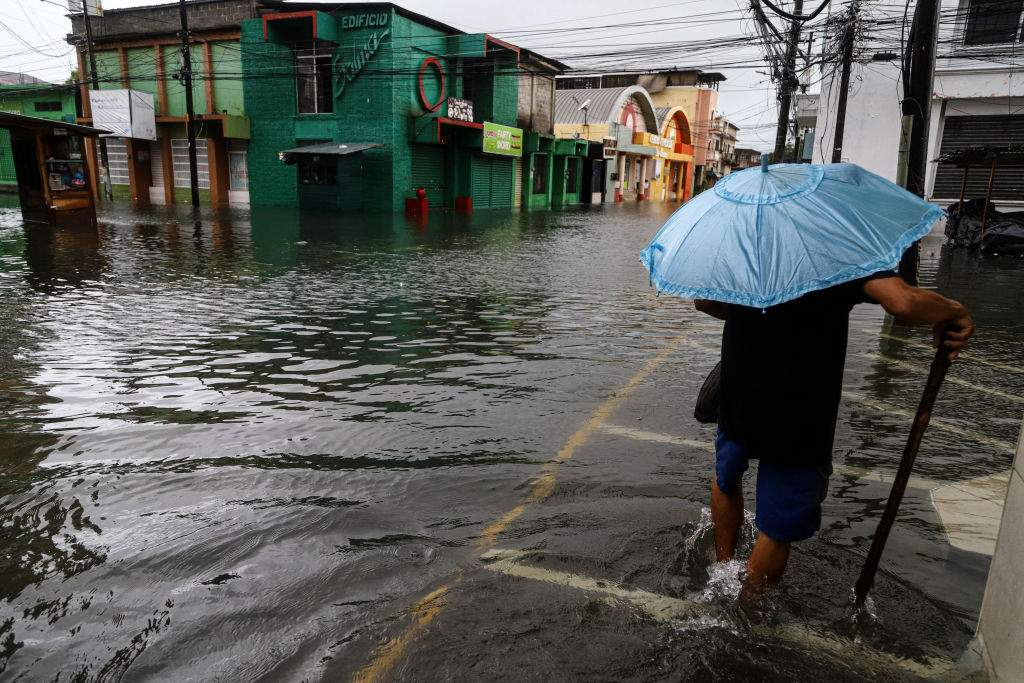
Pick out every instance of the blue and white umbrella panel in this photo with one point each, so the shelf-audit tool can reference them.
(767, 235)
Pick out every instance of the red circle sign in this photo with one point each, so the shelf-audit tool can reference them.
(431, 61)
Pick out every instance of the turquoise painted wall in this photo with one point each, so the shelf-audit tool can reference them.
(376, 98)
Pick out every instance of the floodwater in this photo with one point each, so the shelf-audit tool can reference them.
(309, 447)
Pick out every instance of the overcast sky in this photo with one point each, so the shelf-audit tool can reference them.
(32, 41)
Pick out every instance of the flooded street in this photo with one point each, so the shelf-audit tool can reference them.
(289, 446)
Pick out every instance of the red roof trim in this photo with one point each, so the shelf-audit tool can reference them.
(502, 43)
(289, 15)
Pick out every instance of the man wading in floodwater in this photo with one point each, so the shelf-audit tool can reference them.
(782, 375)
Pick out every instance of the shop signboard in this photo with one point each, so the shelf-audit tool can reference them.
(504, 140)
(125, 113)
(611, 146)
(460, 110)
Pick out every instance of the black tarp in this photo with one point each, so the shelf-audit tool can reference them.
(1004, 232)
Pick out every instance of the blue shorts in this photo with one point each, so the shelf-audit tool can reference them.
(788, 499)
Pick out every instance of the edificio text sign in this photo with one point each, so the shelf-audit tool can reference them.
(505, 140)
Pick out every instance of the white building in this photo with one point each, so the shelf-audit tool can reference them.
(978, 94)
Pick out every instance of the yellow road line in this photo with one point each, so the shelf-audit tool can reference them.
(949, 378)
(424, 611)
(962, 356)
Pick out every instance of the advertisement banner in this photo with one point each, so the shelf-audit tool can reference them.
(504, 140)
(125, 113)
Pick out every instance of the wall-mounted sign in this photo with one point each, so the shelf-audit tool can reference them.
(460, 110)
(93, 7)
(364, 20)
(504, 140)
(125, 113)
(361, 58)
(611, 146)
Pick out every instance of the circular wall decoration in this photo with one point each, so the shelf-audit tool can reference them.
(427, 104)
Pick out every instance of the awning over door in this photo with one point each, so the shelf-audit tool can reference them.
(333, 148)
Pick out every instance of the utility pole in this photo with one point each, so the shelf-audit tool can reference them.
(917, 95)
(844, 83)
(104, 167)
(190, 131)
(917, 99)
(789, 80)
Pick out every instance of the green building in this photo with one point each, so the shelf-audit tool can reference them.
(140, 49)
(357, 106)
(371, 102)
(43, 100)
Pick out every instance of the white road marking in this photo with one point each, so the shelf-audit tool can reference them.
(962, 356)
(664, 608)
(656, 437)
(935, 423)
(949, 378)
(709, 447)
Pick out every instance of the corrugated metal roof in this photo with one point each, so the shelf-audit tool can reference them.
(603, 107)
(661, 113)
(8, 119)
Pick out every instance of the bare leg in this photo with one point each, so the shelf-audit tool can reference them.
(726, 518)
(764, 570)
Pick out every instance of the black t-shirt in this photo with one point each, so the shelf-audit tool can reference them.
(782, 374)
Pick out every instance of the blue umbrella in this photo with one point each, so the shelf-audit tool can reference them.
(767, 235)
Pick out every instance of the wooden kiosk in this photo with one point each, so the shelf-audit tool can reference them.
(54, 182)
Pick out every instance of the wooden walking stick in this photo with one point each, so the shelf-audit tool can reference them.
(866, 579)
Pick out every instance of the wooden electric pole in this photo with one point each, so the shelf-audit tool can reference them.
(104, 165)
(789, 82)
(190, 131)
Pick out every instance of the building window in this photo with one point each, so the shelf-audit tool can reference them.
(47, 106)
(539, 171)
(179, 162)
(238, 173)
(571, 175)
(117, 161)
(993, 21)
(313, 80)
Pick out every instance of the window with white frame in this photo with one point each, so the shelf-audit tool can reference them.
(993, 21)
(117, 161)
(313, 77)
(179, 158)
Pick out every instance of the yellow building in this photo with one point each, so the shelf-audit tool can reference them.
(644, 154)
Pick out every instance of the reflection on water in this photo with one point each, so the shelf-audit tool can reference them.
(240, 445)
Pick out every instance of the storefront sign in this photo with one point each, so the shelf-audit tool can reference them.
(361, 58)
(460, 110)
(365, 20)
(611, 146)
(125, 113)
(504, 140)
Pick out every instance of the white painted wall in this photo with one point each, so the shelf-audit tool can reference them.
(963, 86)
(1002, 611)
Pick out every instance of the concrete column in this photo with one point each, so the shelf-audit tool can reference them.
(622, 175)
(168, 164)
(641, 192)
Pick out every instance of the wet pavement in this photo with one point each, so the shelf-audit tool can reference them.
(290, 447)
